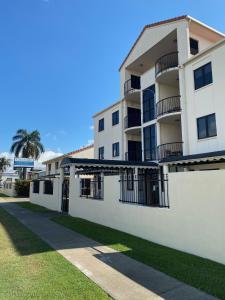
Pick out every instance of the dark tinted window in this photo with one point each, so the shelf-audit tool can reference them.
(193, 46)
(101, 153)
(150, 142)
(115, 118)
(149, 104)
(206, 126)
(115, 149)
(101, 125)
(203, 76)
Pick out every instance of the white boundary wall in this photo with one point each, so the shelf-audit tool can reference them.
(52, 202)
(194, 223)
(10, 191)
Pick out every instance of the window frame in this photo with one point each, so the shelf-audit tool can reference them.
(206, 118)
(101, 125)
(195, 41)
(116, 149)
(204, 81)
(115, 118)
(101, 153)
(149, 104)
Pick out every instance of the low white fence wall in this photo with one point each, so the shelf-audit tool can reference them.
(194, 223)
(10, 191)
(52, 202)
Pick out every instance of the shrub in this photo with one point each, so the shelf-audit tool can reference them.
(22, 188)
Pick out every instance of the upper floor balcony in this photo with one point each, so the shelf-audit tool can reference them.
(165, 63)
(169, 150)
(133, 118)
(132, 88)
(168, 106)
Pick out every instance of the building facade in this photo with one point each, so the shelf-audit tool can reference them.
(171, 98)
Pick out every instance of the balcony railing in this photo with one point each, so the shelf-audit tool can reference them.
(168, 105)
(166, 62)
(130, 122)
(133, 156)
(170, 150)
(132, 84)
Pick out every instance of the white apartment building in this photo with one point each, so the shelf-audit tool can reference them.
(169, 118)
(171, 107)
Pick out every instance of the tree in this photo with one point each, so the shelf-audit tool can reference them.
(4, 164)
(27, 144)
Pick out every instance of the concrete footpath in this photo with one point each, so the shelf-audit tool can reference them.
(123, 278)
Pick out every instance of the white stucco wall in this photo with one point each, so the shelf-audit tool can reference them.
(52, 202)
(205, 101)
(194, 223)
(110, 134)
(9, 192)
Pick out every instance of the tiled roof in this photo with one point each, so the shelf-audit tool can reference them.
(69, 154)
(150, 26)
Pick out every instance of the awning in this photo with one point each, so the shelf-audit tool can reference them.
(81, 163)
(194, 159)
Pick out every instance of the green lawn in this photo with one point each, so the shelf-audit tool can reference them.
(201, 273)
(33, 207)
(30, 269)
(3, 195)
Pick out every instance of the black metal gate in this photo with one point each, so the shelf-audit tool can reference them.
(65, 196)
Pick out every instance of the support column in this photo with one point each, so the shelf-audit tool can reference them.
(61, 179)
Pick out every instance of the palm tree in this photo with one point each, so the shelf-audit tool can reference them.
(4, 164)
(27, 144)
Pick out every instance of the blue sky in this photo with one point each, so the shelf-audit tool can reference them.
(59, 60)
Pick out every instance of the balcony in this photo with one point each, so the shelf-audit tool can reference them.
(170, 150)
(133, 119)
(133, 156)
(168, 106)
(166, 62)
(132, 86)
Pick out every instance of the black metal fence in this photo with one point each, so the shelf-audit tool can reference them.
(170, 150)
(90, 188)
(36, 186)
(148, 189)
(165, 62)
(168, 105)
(48, 187)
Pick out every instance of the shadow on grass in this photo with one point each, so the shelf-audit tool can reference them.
(198, 272)
(24, 241)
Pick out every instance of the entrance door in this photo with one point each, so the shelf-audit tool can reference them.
(65, 196)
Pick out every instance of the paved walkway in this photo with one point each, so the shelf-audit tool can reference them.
(121, 277)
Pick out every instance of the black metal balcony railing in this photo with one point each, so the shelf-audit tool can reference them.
(133, 156)
(165, 62)
(170, 150)
(168, 105)
(130, 122)
(132, 84)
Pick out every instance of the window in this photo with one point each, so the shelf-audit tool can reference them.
(115, 149)
(48, 187)
(149, 104)
(56, 165)
(115, 118)
(49, 168)
(150, 142)
(206, 126)
(101, 153)
(130, 180)
(85, 186)
(203, 76)
(101, 125)
(193, 46)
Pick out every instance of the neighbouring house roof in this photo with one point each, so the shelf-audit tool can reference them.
(111, 164)
(68, 154)
(195, 158)
(189, 18)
